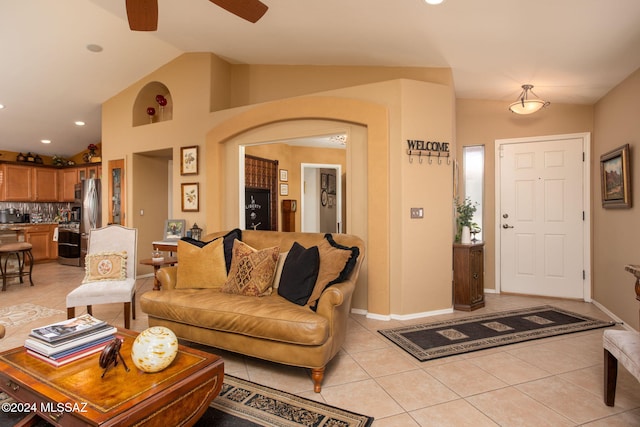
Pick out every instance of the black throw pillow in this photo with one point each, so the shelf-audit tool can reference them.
(299, 273)
(236, 233)
(195, 242)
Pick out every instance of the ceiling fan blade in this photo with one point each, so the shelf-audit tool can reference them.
(142, 15)
(251, 10)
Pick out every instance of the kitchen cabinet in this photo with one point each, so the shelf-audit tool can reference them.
(41, 237)
(16, 183)
(45, 184)
(71, 176)
(468, 276)
(68, 181)
(88, 172)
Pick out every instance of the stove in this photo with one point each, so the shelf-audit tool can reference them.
(70, 226)
(69, 243)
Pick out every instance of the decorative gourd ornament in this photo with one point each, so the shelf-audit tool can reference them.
(154, 349)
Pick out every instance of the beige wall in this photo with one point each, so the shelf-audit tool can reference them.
(382, 107)
(616, 232)
(200, 89)
(188, 78)
(421, 248)
(150, 202)
(482, 122)
(224, 142)
(253, 84)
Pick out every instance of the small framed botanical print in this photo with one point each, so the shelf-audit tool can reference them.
(190, 197)
(284, 189)
(284, 175)
(189, 160)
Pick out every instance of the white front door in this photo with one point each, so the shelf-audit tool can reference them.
(542, 217)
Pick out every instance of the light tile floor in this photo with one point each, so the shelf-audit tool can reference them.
(550, 382)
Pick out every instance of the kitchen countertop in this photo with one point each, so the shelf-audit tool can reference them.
(12, 226)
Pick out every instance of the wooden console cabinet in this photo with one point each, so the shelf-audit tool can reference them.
(289, 215)
(468, 273)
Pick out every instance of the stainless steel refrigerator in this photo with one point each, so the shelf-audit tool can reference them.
(88, 196)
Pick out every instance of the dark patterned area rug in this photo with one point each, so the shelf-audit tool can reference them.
(428, 341)
(243, 403)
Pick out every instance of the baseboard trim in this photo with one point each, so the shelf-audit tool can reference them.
(412, 316)
(613, 316)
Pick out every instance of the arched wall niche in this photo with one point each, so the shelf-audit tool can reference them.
(148, 97)
(221, 189)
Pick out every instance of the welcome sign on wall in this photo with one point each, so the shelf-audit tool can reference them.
(428, 150)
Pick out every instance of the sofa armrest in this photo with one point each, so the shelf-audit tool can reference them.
(335, 305)
(168, 277)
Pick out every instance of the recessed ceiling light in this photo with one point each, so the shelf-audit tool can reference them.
(433, 1)
(45, 141)
(1, 106)
(95, 48)
(79, 123)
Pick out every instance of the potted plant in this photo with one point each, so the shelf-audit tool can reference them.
(464, 219)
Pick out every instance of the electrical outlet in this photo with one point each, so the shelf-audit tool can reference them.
(417, 213)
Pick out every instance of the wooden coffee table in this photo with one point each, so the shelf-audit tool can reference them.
(76, 395)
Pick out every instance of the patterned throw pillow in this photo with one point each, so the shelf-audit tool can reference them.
(251, 270)
(101, 266)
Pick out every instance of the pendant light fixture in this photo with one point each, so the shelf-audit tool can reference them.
(526, 105)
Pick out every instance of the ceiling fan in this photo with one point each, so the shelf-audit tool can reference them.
(143, 14)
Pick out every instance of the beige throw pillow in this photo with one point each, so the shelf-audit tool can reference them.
(332, 262)
(252, 270)
(201, 267)
(276, 277)
(101, 266)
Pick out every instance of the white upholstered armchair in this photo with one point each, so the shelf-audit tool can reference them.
(110, 271)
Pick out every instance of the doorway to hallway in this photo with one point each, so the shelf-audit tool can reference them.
(321, 199)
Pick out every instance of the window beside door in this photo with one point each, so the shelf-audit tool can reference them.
(473, 179)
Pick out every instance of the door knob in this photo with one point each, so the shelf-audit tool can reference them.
(507, 226)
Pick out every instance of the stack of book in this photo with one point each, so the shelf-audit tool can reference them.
(63, 342)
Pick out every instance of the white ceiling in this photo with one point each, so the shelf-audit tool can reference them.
(572, 51)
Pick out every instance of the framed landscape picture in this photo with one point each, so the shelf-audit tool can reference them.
(174, 229)
(614, 176)
(190, 197)
(189, 160)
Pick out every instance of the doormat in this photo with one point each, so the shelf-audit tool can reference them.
(450, 337)
(16, 315)
(243, 403)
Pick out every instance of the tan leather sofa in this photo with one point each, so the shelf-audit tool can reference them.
(269, 327)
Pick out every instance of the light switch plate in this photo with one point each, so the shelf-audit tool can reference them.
(417, 213)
